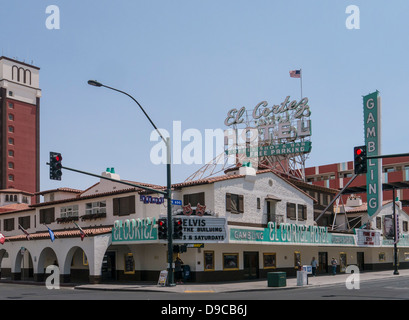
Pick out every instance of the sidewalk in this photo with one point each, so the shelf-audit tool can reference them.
(255, 285)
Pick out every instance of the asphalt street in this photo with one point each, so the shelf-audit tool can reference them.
(382, 289)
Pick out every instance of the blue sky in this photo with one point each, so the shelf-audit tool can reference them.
(193, 61)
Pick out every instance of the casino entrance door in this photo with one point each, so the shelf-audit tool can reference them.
(251, 266)
(322, 262)
(108, 269)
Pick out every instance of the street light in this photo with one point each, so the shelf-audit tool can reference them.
(168, 196)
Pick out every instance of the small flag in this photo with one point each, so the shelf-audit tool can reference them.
(52, 236)
(25, 232)
(82, 233)
(2, 238)
(295, 73)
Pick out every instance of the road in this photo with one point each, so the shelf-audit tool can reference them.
(396, 289)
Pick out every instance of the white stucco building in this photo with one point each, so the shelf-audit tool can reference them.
(241, 225)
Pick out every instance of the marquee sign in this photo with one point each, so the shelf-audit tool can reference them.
(202, 230)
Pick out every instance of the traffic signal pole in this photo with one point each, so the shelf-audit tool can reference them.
(114, 180)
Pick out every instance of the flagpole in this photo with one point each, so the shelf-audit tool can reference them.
(301, 81)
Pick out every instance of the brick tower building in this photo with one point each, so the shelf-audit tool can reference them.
(19, 126)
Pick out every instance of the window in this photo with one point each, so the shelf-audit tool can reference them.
(325, 199)
(271, 211)
(47, 216)
(96, 207)
(11, 105)
(269, 260)
(11, 129)
(8, 224)
(405, 226)
(11, 177)
(11, 117)
(194, 199)
(124, 206)
(11, 153)
(11, 198)
(11, 165)
(11, 141)
(302, 212)
(378, 223)
(258, 203)
(230, 261)
(10, 93)
(209, 261)
(69, 211)
(291, 214)
(24, 222)
(234, 203)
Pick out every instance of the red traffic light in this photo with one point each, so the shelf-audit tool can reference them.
(358, 152)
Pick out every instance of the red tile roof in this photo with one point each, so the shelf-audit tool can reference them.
(14, 207)
(70, 233)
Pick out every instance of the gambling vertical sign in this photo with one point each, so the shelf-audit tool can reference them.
(372, 125)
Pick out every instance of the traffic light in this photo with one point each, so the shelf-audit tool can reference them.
(55, 166)
(360, 165)
(162, 229)
(177, 228)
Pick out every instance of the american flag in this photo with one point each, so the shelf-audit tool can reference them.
(295, 73)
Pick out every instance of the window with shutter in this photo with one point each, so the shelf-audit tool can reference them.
(47, 216)
(228, 202)
(234, 203)
(291, 214)
(194, 199)
(124, 206)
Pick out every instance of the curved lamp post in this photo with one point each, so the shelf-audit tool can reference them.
(168, 196)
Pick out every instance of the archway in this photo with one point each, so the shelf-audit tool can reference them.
(4, 272)
(23, 267)
(47, 257)
(75, 268)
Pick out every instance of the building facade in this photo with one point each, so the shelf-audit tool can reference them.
(20, 125)
(395, 174)
(238, 226)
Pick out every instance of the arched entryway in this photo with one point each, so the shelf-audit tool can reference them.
(46, 258)
(75, 268)
(4, 272)
(23, 266)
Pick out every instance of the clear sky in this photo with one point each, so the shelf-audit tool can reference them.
(192, 61)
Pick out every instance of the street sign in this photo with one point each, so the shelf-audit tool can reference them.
(176, 202)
